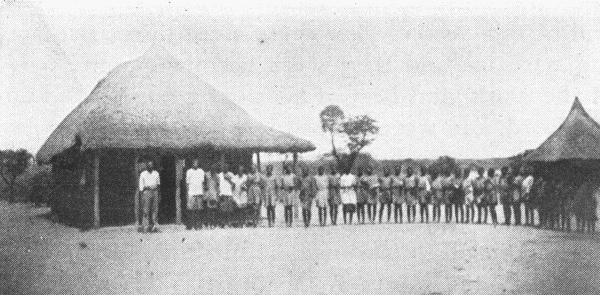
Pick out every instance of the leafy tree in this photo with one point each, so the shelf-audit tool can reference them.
(444, 165)
(331, 121)
(359, 130)
(12, 165)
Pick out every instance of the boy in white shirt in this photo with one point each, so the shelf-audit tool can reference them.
(194, 179)
(226, 202)
(526, 196)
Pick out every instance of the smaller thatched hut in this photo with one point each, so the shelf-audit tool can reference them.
(572, 149)
(578, 138)
(150, 107)
(569, 160)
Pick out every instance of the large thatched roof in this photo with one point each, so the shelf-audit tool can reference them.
(578, 138)
(155, 102)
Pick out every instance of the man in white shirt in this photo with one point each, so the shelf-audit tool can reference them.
(149, 187)
(194, 179)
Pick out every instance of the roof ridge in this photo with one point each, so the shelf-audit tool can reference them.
(569, 138)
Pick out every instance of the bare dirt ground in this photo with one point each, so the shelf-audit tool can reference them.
(40, 257)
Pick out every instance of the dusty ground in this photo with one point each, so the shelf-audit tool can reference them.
(39, 257)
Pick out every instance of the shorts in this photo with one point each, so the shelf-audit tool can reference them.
(437, 197)
(306, 203)
(411, 197)
(373, 196)
(289, 197)
(350, 207)
(482, 203)
(385, 196)
(362, 196)
(195, 202)
(334, 197)
(398, 196)
(469, 199)
(226, 204)
(423, 196)
(322, 198)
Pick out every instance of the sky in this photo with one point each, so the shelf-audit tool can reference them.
(450, 78)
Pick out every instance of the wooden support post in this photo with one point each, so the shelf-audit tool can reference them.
(96, 190)
(136, 194)
(294, 162)
(258, 161)
(178, 176)
(222, 160)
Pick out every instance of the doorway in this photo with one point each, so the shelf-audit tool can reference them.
(168, 188)
(118, 184)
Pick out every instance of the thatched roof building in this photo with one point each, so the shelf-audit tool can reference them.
(578, 138)
(155, 102)
(148, 107)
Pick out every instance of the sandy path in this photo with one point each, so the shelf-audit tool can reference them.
(39, 257)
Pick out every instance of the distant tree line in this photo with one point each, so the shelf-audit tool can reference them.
(13, 163)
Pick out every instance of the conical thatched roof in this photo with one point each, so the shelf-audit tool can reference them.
(578, 138)
(154, 102)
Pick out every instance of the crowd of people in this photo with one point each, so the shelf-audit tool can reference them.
(219, 197)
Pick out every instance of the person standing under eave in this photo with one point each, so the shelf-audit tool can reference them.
(458, 198)
(398, 193)
(526, 197)
(149, 186)
(373, 196)
(289, 186)
(437, 194)
(555, 202)
(240, 196)
(361, 195)
(543, 202)
(593, 209)
(566, 206)
(517, 193)
(270, 194)
(348, 195)
(307, 194)
(478, 190)
(583, 192)
(254, 183)
(448, 189)
(226, 202)
(410, 191)
(212, 197)
(536, 194)
(492, 194)
(322, 197)
(385, 196)
(504, 192)
(585, 205)
(467, 185)
(424, 191)
(335, 199)
(195, 183)
(297, 207)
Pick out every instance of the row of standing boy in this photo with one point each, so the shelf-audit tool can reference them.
(219, 195)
